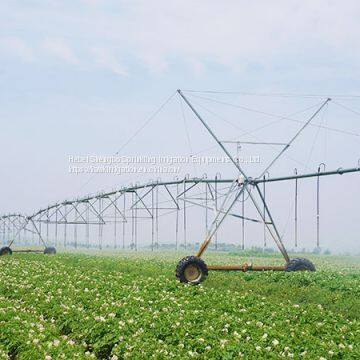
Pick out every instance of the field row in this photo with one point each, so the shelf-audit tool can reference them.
(81, 306)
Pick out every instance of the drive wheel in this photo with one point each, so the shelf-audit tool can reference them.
(50, 250)
(300, 264)
(191, 270)
(5, 251)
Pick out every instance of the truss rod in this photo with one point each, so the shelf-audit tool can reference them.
(294, 138)
(212, 133)
(220, 217)
(276, 236)
(223, 212)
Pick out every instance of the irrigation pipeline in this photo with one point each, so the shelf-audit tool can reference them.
(339, 171)
(140, 201)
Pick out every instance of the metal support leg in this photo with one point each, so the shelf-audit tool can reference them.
(38, 232)
(18, 232)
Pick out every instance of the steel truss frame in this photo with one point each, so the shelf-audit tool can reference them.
(241, 185)
(127, 205)
(143, 204)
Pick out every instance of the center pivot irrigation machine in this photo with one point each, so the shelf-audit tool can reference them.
(19, 223)
(129, 204)
(192, 269)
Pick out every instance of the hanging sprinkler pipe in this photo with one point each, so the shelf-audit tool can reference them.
(217, 177)
(296, 209)
(321, 165)
(264, 210)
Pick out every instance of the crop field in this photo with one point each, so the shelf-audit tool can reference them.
(76, 306)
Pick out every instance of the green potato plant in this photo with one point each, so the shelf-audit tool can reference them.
(73, 306)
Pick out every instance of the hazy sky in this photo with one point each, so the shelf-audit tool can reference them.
(79, 77)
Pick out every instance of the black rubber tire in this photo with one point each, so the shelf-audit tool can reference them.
(50, 250)
(193, 261)
(300, 264)
(5, 251)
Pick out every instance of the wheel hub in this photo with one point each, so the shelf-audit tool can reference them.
(192, 273)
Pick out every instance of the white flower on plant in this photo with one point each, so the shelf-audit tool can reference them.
(275, 342)
(223, 341)
(56, 342)
(100, 318)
